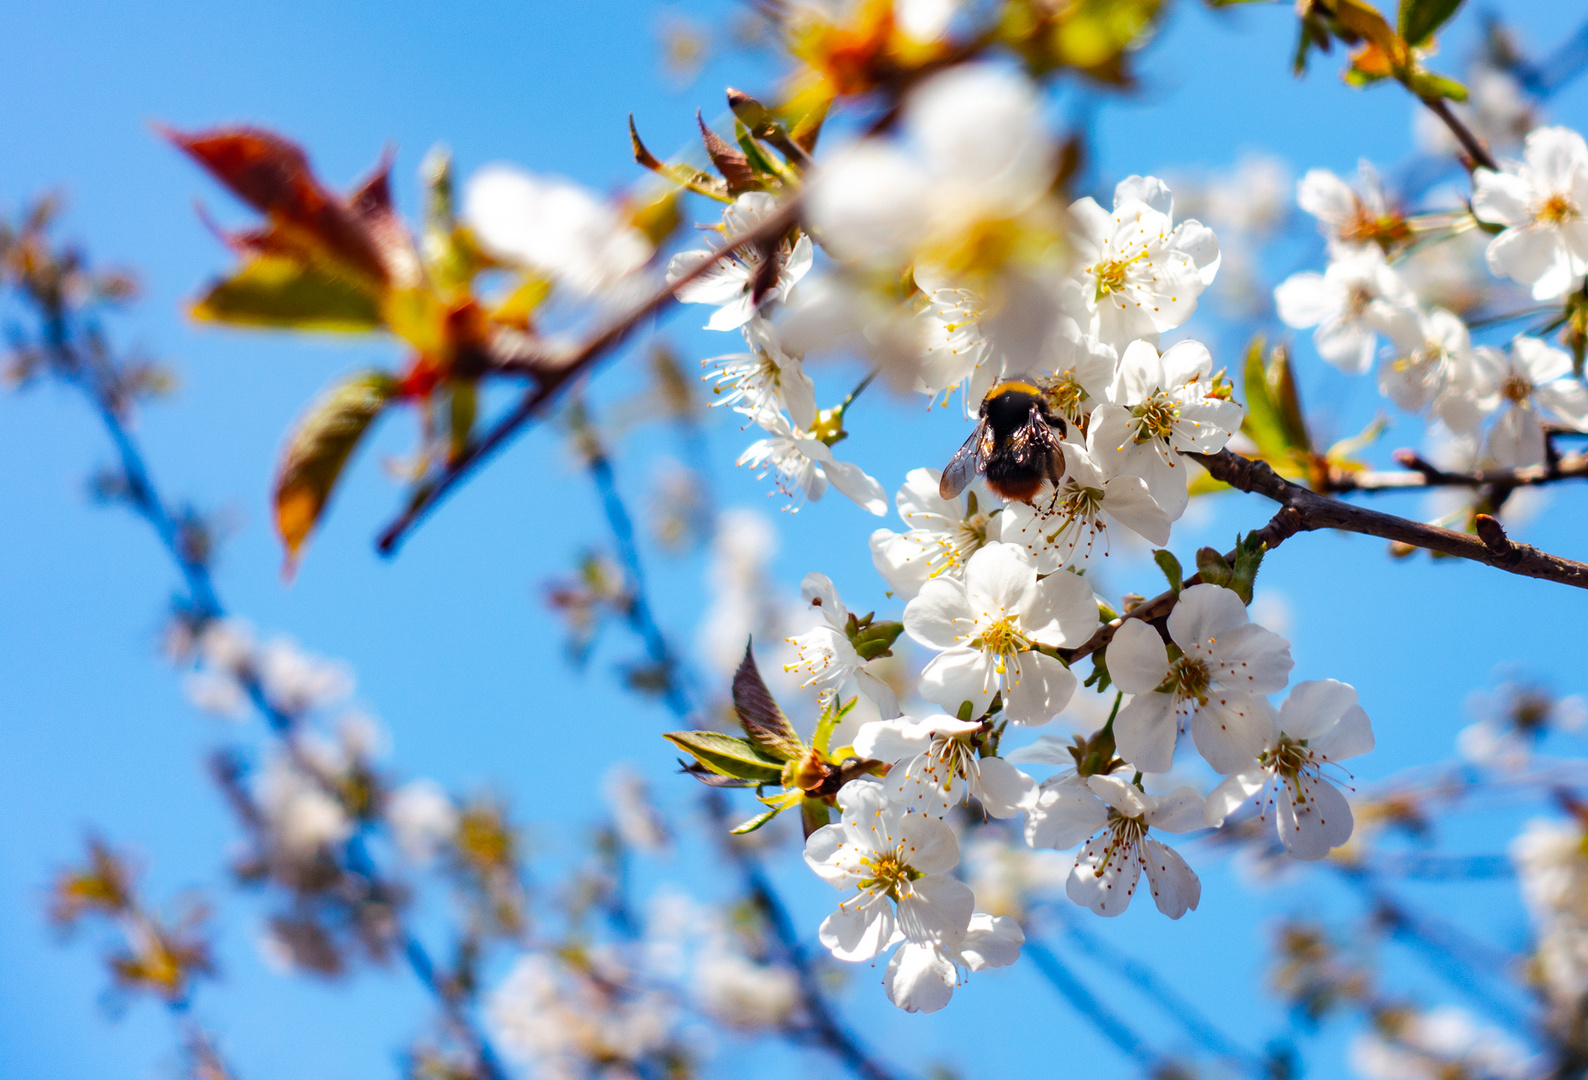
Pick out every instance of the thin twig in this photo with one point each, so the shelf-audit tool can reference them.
(1422, 474)
(552, 374)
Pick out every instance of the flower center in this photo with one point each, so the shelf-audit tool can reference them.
(1155, 418)
(1124, 833)
(1189, 678)
(1110, 273)
(1002, 638)
(1064, 399)
(1558, 209)
(1357, 303)
(1517, 389)
(888, 869)
(1289, 761)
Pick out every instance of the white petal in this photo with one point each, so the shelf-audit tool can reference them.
(858, 932)
(920, 978)
(1041, 687)
(892, 740)
(937, 908)
(852, 481)
(939, 615)
(1230, 794)
(1174, 885)
(959, 675)
(991, 941)
(1323, 822)
(1314, 707)
(1145, 732)
(1230, 730)
(1063, 611)
(1003, 789)
(1105, 876)
(1066, 812)
(1138, 660)
(1352, 736)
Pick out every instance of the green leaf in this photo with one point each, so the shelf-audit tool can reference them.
(756, 822)
(727, 756)
(768, 168)
(1213, 568)
(830, 719)
(1171, 569)
(1431, 87)
(1421, 19)
(1099, 677)
(463, 406)
(318, 449)
(769, 730)
(275, 291)
(1249, 553)
(1273, 411)
(876, 639)
(813, 815)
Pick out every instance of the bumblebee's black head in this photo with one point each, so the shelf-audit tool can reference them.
(1007, 407)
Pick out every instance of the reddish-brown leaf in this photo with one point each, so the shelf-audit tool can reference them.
(729, 160)
(273, 176)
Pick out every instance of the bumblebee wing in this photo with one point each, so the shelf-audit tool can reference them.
(968, 463)
(1041, 446)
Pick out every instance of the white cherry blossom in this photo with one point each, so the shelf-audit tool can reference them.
(1320, 723)
(805, 465)
(898, 863)
(1351, 217)
(921, 977)
(986, 627)
(1433, 368)
(826, 655)
(1541, 201)
(1161, 406)
(1225, 661)
(1110, 865)
(553, 226)
(1069, 523)
(943, 535)
(729, 284)
(1354, 300)
(1140, 273)
(1532, 383)
(936, 766)
(766, 378)
(976, 154)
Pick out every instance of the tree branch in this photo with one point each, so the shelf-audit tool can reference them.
(1476, 150)
(1311, 511)
(552, 372)
(1423, 474)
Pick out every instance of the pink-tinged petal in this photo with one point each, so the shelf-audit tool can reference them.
(1063, 610)
(1004, 790)
(1233, 791)
(920, 978)
(939, 616)
(1066, 812)
(936, 908)
(1105, 877)
(1314, 707)
(991, 941)
(1175, 887)
(1036, 688)
(1349, 738)
(1230, 730)
(1203, 615)
(858, 932)
(957, 676)
(1000, 579)
(1138, 660)
(1145, 732)
(1310, 829)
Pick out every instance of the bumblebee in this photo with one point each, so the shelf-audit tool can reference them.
(1016, 445)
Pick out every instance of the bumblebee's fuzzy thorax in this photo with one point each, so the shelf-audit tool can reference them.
(1016, 446)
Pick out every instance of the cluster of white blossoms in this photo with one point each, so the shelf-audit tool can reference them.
(1070, 301)
(230, 666)
(1552, 865)
(1496, 402)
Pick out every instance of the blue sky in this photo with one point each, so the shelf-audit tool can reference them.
(453, 649)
